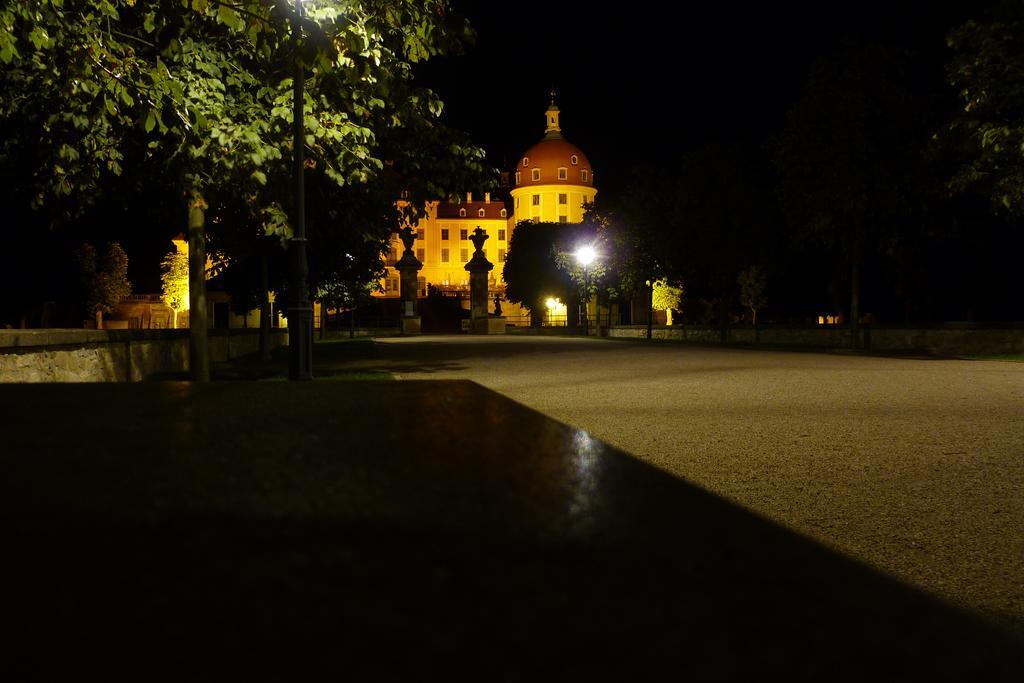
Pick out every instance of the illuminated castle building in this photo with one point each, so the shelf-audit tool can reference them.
(551, 182)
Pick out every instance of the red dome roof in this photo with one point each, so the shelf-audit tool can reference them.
(548, 156)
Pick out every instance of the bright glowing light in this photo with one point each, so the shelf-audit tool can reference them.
(586, 255)
(551, 302)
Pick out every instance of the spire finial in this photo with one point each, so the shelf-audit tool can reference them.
(552, 129)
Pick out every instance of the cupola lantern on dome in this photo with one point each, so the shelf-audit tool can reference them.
(552, 130)
(553, 160)
(554, 180)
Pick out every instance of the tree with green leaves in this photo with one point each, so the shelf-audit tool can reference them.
(174, 283)
(104, 280)
(597, 281)
(625, 237)
(987, 72)
(200, 91)
(666, 297)
(531, 271)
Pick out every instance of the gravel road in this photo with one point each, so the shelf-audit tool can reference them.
(913, 466)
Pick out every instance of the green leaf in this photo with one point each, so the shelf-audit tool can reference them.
(7, 52)
(229, 17)
(150, 121)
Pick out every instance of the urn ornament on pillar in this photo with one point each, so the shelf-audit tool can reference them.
(408, 269)
(479, 267)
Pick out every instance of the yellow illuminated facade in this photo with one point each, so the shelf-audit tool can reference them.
(442, 243)
(551, 182)
(553, 179)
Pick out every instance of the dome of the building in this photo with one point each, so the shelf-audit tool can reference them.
(553, 160)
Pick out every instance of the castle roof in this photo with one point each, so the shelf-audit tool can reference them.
(491, 209)
(548, 156)
(553, 160)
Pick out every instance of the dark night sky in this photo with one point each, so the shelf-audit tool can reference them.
(637, 86)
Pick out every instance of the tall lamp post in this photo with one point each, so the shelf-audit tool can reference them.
(585, 255)
(300, 311)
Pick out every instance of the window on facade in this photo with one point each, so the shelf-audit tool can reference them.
(501, 256)
(563, 198)
(444, 256)
(419, 233)
(536, 200)
(444, 234)
(526, 161)
(535, 174)
(464, 234)
(464, 255)
(517, 202)
(563, 173)
(518, 177)
(462, 213)
(501, 235)
(392, 256)
(584, 175)
(563, 219)
(504, 213)
(574, 159)
(480, 213)
(421, 286)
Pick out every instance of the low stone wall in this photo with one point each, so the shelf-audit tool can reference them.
(949, 339)
(359, 332)
(552, 331)
(113, 355)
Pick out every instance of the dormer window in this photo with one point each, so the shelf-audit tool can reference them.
(518, 178)
(462, 213)
(574, 159)
(536, 174)
(585, 175)
(526, 161)
(563, 173)
(480, 213)
(504, 213)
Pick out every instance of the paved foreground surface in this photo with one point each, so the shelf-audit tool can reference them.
(915, 467)
(301, 531)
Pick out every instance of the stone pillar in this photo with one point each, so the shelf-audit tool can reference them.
(479, 267)
(408, 269)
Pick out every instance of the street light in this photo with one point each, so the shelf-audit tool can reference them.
(300, 311)
(585, 255)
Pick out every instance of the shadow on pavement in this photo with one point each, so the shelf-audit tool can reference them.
(274, 529)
